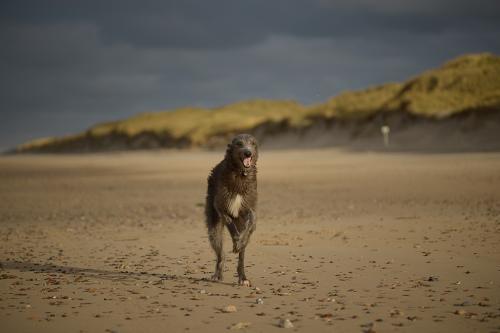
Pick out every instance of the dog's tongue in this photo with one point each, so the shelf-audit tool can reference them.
(247, 161)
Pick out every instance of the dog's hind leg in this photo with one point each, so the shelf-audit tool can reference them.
(215, 235)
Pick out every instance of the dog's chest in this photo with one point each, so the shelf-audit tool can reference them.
(234, 205)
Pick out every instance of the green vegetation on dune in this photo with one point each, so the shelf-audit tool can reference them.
(470, 82)
(466, 83)
(196, 124)
(356, 104)
(177, 123)
(243, 116)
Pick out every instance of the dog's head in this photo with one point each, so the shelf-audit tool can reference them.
(243, 151)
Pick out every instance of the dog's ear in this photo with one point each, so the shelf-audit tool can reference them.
(228, 145)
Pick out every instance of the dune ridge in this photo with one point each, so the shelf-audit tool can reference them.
(453, 107)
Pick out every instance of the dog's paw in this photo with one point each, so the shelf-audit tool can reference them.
(217, 277)
(236, 246)
(244, 282)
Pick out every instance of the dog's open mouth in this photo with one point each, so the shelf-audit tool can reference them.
(247, 162)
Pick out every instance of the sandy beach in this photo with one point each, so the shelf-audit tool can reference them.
(345, 242)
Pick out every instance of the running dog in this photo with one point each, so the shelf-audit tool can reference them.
(232, 200)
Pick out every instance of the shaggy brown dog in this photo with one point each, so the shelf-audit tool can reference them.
(232, 200)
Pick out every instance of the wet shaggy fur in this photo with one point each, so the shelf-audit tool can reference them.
(232, 201)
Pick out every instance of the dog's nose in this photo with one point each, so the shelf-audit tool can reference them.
(247, 153)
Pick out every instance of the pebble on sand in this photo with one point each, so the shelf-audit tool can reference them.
(259, 301)
(240, 325)
(285, 323)
(229, 309)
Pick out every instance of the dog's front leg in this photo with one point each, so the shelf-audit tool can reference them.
(234, 230)
(250, 221)
(241, 246)
(242, 279)
(216, 237)
(248, 227)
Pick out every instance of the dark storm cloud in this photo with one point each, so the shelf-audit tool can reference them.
(229, 23)
(68, 64)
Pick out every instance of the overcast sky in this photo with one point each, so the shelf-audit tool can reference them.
(66, 65)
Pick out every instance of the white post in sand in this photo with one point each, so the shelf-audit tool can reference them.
(385, 130)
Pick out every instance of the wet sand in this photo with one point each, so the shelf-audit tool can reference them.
(345, 242)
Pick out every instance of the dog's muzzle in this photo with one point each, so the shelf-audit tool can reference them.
(247, 160)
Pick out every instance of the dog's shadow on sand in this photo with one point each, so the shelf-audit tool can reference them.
(80, 273)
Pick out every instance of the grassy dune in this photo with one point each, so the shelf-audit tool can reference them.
(465, 84)
(198, 124)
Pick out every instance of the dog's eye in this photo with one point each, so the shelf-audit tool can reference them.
(239, 143)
